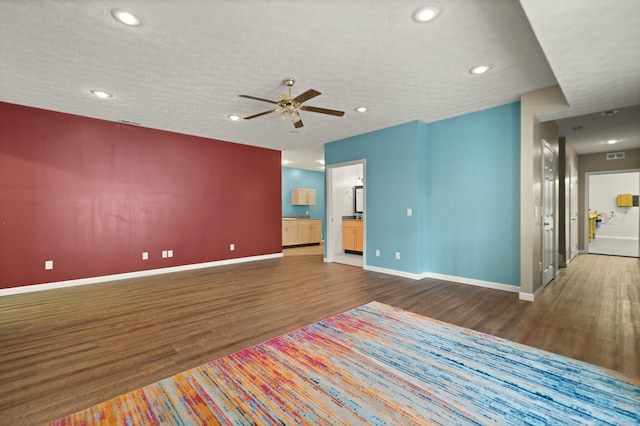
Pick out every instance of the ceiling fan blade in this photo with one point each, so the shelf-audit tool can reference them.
(306, 96)
(298, 124)
(260, 113)
(258, 99)
(322, 110)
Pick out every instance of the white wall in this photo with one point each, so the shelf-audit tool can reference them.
(532, 131)
(603, 192)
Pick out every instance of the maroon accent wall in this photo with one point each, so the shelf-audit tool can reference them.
(92, 195)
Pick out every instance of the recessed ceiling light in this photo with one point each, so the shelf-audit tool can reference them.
(480, 69)
(425, 14)
(101, 94)
(612, 112)
(233, 117)
(612, 141)
(125, 17)
(362, 109)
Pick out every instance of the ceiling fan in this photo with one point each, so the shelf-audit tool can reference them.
(288, 105)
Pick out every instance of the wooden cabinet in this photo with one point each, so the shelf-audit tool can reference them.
(593, 217)
(301, 231)
(303, 197)
(315, 230)
(352, 235)
(289, 232)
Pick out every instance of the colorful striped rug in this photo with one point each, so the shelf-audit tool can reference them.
(380, 365)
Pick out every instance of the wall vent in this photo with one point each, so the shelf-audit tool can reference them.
(615, 155)
(133, 123)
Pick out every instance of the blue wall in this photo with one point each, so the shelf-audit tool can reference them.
(473, 196)
(393, 156)
(299, 178)
(461, 178)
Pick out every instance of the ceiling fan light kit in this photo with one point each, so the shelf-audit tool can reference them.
(289, 106)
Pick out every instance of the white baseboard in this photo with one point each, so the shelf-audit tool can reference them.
(393, 272)
(459, 280)
(127, 275)
(471, 281)
(531, 297)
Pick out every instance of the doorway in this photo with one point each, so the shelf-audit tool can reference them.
(617, 230)
(549, 178)
(342, 181)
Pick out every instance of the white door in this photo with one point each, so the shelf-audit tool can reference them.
(573, 214)
(548, 214)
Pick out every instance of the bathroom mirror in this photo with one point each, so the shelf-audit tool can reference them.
(358, 199)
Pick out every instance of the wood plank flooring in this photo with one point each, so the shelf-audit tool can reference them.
(64, 350)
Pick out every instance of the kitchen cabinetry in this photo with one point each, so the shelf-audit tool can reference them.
(352, 235)
(315, 231)
(301, 231)
(303, 197)
(289, 232)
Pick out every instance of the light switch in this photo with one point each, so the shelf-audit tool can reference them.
(164, 254)
(232, 247)
(398, 255)
(48, 265)
(169, 253)
(409, 212)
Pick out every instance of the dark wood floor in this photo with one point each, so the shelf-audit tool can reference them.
(64, 350)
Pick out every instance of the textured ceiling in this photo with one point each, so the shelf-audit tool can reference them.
(594, 51)
(183, 69)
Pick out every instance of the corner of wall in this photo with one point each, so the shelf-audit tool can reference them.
(531, 134)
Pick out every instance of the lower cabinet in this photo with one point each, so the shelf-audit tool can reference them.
(289, 232)
(301, 231)
(352, 235)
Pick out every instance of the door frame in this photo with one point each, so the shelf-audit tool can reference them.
(554, 201)
(330, 234)
(574, 210)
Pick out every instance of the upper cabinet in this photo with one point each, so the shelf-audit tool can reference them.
(303, 196)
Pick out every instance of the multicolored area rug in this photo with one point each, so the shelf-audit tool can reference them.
(380, 365)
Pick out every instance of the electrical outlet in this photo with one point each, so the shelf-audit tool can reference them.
(409, 212)
(164, 254)
(377, 253)
(145, 255)
(397, 255)
(169, 253)
(48, 265)
(232, 247)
